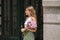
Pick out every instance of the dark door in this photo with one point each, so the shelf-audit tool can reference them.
(12, 17)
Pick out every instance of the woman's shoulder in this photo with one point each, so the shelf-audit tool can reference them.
(33, 18)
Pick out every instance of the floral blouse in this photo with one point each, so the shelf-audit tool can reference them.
(31, 23)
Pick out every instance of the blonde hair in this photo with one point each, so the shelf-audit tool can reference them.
(32, 10)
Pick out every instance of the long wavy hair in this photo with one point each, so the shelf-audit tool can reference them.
(33, 11)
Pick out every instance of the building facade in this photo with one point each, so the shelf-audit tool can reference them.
(51, 18)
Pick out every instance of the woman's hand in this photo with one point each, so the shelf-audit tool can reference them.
(23, 29)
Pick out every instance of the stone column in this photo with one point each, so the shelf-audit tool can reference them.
(51, 18)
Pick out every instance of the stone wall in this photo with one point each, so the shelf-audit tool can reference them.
(51, 19)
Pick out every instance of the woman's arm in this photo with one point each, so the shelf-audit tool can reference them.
(23, 29)
(32, 29)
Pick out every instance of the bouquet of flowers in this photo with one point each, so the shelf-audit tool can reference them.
(30, 25)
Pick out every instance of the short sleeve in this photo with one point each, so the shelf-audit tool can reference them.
(33, 24)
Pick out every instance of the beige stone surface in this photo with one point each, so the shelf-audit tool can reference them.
(51, 19)
(51, 32)
(50, 0)
(51, 14)
(51, 3)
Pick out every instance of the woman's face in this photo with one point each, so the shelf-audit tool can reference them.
(27, 12)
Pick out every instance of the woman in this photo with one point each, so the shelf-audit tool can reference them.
(30, 23)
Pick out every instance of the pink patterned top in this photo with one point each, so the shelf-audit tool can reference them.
(31, 23)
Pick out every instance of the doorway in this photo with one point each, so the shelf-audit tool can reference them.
(13, 16)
